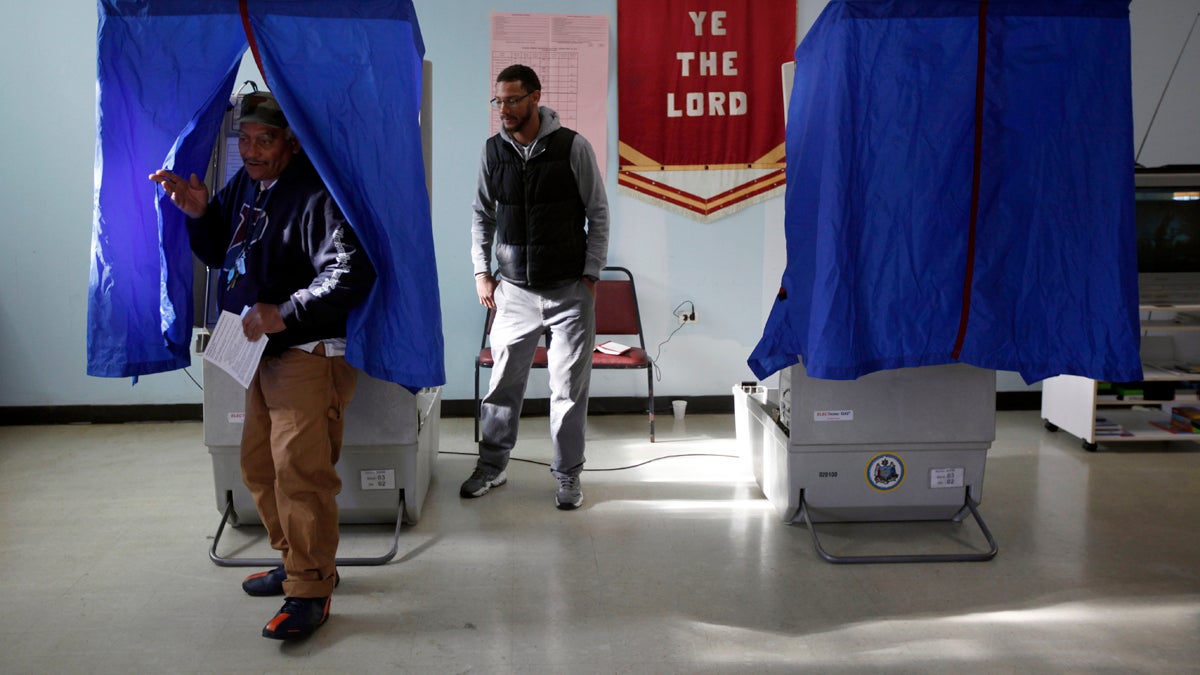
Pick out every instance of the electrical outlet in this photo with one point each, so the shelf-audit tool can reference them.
(687, 317)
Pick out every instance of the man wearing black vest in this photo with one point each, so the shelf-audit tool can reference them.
(541, 210)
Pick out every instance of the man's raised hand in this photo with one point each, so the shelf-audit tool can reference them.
(191, 196)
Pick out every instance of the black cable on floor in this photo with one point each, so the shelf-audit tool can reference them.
(619, 468)
(185, 372)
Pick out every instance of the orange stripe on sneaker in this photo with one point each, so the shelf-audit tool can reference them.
(279, 618)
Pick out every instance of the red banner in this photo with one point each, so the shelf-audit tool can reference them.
(701, 101)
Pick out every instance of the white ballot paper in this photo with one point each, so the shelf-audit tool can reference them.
(229, 350)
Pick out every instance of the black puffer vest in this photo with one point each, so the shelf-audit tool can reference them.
(540, 239)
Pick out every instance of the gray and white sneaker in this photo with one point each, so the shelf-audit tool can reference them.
(570, 495)
(481, 482)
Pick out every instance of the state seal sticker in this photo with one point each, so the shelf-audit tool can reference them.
(885, 471)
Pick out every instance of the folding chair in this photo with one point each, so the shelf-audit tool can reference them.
(485, 360)
(617, 315)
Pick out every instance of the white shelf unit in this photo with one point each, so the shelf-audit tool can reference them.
(1170, 351)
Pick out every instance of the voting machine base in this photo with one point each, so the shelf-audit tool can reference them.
(389, 448)
(968, 505)
(899, 445)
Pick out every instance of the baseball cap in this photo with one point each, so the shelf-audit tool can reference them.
(262, 108)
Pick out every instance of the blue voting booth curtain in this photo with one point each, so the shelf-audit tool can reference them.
(960, 189)
(348, 77)
(162, 81)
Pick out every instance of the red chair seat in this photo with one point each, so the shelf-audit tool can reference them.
(616, 315)
(541, 358)
(634, 358)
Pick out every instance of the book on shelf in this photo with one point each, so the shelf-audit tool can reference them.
(1173, 426)
(614, 348)
(1187, 418)
(1106, 427)
(1128, 390)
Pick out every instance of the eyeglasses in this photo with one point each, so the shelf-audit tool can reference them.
(508, 102)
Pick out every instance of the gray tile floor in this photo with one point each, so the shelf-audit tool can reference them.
(677, 566)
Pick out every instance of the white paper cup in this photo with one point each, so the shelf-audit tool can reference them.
(680, 407)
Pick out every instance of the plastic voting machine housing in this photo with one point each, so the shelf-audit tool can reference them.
(894, 445)
(388, 451)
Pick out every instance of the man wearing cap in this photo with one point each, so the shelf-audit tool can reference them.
(292, 267)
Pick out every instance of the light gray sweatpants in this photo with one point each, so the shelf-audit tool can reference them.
(522, 315)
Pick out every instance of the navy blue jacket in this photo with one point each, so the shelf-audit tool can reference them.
(302, 254)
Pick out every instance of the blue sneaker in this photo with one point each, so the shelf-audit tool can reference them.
(265, 583)
(297, 619)
(270, 582)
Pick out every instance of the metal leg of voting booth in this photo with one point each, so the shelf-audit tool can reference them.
(261, 562)
(912, 558)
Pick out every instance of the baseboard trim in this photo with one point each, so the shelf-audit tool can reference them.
(100, 414)
(538, 407)
(607, 405)
(1018, 400)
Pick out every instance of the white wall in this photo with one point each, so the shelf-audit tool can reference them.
(47, 74)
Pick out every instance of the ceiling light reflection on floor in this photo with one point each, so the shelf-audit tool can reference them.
(1080, 613)
(745, 505)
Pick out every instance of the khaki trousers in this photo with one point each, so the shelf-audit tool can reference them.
(290, 443)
